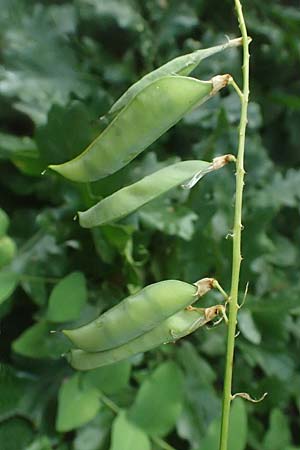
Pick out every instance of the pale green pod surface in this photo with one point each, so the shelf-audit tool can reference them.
(7, 250)
(175, 327)
(144, 119)
(4, 222)
(182, 65)
(130, 198)
(134, 315)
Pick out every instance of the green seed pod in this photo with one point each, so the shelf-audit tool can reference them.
(7, 250)
(170, 330)
(137, 314)
(4, 222)
(182, 65)
(130, 198)
(149, 114)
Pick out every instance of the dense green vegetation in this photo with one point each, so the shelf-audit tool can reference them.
(63, 64)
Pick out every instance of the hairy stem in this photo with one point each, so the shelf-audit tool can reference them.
(237, 230)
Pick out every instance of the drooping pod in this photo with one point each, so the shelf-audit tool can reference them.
(170, 330)
(148, 115)
(130, 198)
(137, 314)
(182, 65)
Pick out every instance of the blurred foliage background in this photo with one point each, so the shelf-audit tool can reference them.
(63, 64)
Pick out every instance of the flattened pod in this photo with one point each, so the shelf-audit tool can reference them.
(182, 65)
(130, 198)
(175, 327)
(144, 119)
(137, 314)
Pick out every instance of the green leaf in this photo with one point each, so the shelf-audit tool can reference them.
(15, 434)
(67, 132)
(12, 388)
(278, 435)
(22, 152)
(94, 435)
(67, 298)
(248, 327)
(124, 14)
(8, 283)
(77, 404)
(201, 403)
(109, 379)
(37, 342)
(278, 364)
(127, 436)
(159, 400)
(212, 437)
(4, 219)
(172, 220)
(237, 429)
(284, 254)
(37, 72)
(7, 251)
(42, 443)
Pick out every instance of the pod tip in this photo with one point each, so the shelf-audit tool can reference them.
(219, 82)
(53, 167)
(221, 161)
(66, 333)
(203, 286)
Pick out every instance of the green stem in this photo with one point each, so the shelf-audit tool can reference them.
(236, 255)
(110, 404)
(217, 286)
(237, 89)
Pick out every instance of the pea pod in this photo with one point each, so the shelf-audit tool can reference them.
(130, 198)
(149, 114)
(182, 65)
(137, 314)
(170, 330)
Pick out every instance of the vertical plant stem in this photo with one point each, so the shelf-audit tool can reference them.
(237, 230)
